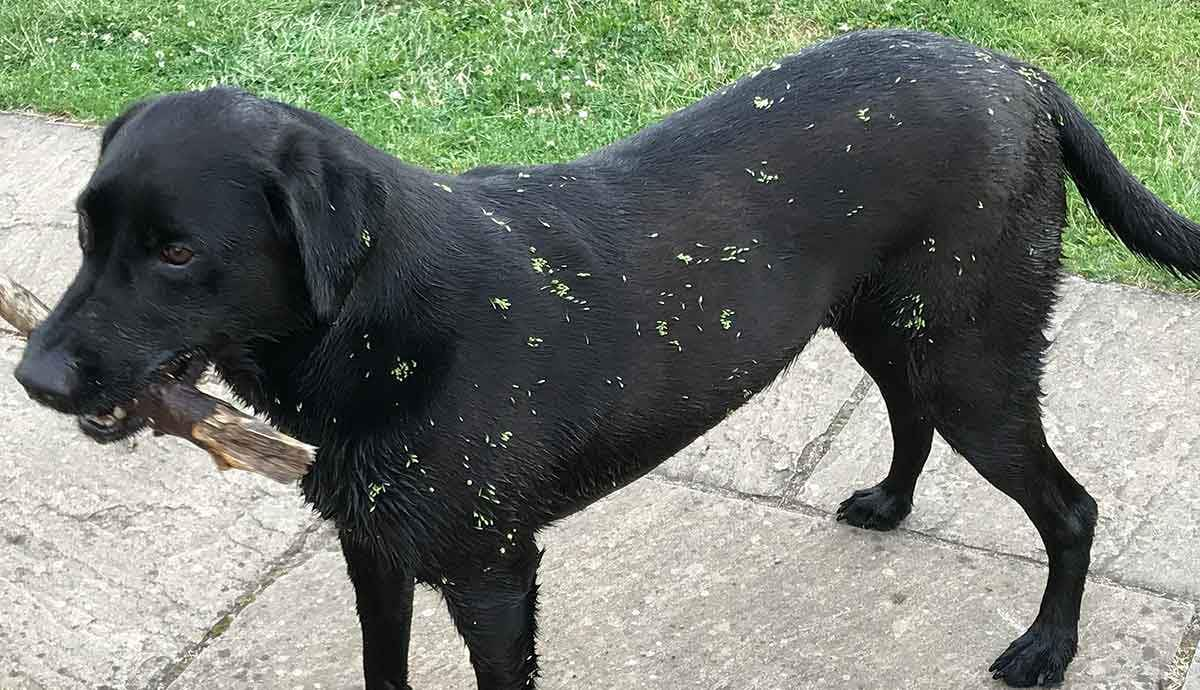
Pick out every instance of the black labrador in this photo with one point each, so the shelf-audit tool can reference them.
(480, 355)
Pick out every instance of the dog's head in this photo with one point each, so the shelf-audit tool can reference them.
(208, 226)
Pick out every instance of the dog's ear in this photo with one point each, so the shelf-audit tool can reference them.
(115, 125)
(319, 203)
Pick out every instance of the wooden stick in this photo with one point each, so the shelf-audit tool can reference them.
(233, 439)
(19, 307)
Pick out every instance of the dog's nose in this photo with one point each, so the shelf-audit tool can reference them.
(49, 377)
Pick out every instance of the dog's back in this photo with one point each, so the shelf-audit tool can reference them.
(658, 283)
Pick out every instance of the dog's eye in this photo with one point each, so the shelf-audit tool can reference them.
(176, 255)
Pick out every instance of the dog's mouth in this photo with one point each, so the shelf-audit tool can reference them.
(122, 420)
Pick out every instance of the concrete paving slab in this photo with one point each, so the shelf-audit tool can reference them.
(114, 562)
(112, 559)
(1073, 292)
(43, 165)
(758, 448)
(665, 587)
(1121, 380)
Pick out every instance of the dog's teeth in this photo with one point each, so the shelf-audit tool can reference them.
(102, 420)
(119, 412)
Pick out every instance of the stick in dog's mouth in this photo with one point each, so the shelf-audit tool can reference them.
(127, 418)
(171, 404)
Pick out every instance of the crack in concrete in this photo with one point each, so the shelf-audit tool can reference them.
(816, 449)
(261, 525)
(244, 545)
(291, 558)
(99, 517)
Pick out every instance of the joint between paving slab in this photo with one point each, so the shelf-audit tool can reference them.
(800, 508)
(1185, 656)
(810, 456)
(816, 449)
(292, 557)
(760, 499)
(1093, 576)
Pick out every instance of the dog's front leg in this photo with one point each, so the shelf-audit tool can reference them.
(384, 599)
(493, 605)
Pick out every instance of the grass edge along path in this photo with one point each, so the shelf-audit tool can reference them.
(453, 85)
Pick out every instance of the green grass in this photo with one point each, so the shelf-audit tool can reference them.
(450, 84)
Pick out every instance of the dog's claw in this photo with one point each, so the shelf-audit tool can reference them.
(1039, 657)
(875, 508)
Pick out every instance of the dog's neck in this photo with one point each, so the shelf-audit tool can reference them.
(389, 344)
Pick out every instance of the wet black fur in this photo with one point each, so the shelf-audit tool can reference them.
(480, 355)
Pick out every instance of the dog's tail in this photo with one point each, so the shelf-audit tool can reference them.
(1130, 211)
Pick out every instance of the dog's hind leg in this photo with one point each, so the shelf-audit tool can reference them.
(980, 371)
(494, 609)
(384, 600)
(865, 327)
(987, 410)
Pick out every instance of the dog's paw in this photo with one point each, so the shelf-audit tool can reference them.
(373, 683)
(874, 508)
(1039, 657)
